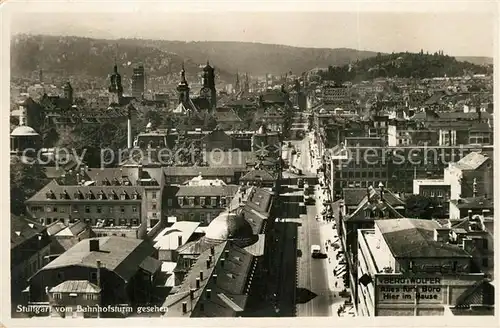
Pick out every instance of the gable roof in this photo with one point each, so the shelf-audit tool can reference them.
(22, 229)
(118, 254)
(414, 238)
(471, 161)
(253, 175)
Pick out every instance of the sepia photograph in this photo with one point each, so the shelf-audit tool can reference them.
(225, 163)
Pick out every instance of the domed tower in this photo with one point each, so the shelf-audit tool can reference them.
(24, 138)
(230, 226)
(68, 92)
(183, 87)
(115, 87)
(208, 90)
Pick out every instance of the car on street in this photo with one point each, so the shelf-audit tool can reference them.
(315, 251)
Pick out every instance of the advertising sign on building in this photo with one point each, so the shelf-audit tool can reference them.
(409, 289)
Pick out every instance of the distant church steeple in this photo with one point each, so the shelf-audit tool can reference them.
(115, 87)
(237, 83)
(183, 87)
(208, 90)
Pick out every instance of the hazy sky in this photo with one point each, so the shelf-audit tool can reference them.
(457, 33)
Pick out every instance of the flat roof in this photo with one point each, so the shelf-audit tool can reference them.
(433, 182)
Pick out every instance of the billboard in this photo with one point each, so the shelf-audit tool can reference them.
(409, 289)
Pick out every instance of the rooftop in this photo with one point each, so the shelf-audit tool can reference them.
(76, 286)
(473, 203)
(119, 254)
(414, 238)
(168, 238)
(471, 161)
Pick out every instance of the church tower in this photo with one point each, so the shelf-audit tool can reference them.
(68, 92)
(237, 83)
(208, 90)
(115, 87)
(183, 88)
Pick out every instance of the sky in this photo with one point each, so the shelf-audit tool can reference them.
(457, 33)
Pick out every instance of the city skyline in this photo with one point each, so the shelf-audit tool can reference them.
(372, 31)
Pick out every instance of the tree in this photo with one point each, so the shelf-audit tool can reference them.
(421, 207)
(25, 181)
(154, 117)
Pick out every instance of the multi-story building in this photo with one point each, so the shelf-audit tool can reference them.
(138, 82)
(198, 203)
(463, 207)
(471, 176)
(108, 209)
(120, 272)
(336, 95)
(438, 189)
(437, 277)
(377, 204)
(29, 251)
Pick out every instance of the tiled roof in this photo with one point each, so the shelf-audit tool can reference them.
(150, 265)
(473, 203)
(230, 159)
(414, 238)
(192, 171)
(472, 161)
(76, 286)
(22, 230)
(258, 175)
(55, 192)
(187, 191)
(227, 291)
(226, 115)
(119, 254)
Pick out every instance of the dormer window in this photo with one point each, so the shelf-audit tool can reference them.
(202, 201)
(64, 195)
(191, 201)
(116, 182)
(213, 201)
(135, 195)
(180, 200)
(90, 195)
(50, 195)
(106, 182)
(223, 202)
(100, 195)
(78, 195)
(126, 182)
(123, 196)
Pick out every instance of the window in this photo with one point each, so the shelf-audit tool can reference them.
(153, 195)
(123, 196)
(134, 208)
(122, 209)
(432, 193)
(87, 209)
(203, 218)
(440, 193)
(169, 202)
(213, 201)
(111, 209)
(191, 216)
(57, 296)
(155, 215)
(93, 277)
(99, 209)
(48, 209)
(90, 297)
(181, 201)
(62, 210)
(191, 201)
(135, 222)
(154, 206)
(363, 174)
(202, 201)
(124, 235)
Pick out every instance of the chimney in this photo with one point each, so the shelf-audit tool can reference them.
(184, 307)
(212, 251)
(129, 129)
(442, 235)
(368, 193)
(94, 245)
(191, 294)
(215, 278)
(470, 214)
(209, 293)
(222, 262)
(98, 276)
(381, 186)
(179, 239)
(197, 282)
(201, 275)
